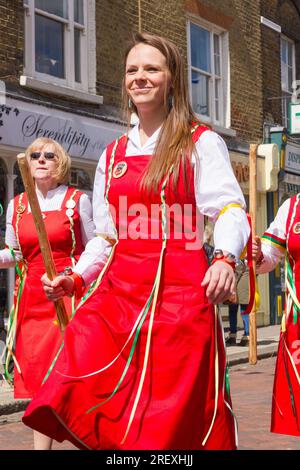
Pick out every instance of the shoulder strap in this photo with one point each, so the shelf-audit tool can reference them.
(73, 194)
(119, 145)
(121, 148)
(290, 213)
(197, 130)
(20, 206)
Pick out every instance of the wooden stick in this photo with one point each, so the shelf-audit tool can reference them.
(42, 234)
(252, 210)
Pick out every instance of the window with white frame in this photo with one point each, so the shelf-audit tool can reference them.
(288, 75)
(57, 42)
(81, 179)
(208, 72)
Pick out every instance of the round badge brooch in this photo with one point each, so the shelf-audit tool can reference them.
(70, 204)
(120, 169)
(296, 228)
(20, 209)
(69, 212)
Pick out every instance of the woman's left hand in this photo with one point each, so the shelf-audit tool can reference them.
(220, 282)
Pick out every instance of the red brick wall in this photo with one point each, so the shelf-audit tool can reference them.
(242, 21)
(283, 13)
(11, 39)
(115, 22)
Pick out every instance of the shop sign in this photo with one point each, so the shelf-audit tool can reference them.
(21, 123)
(240, 166)
(292, 158)
(291, 188)
(241, 171)
(288, 186)
(294, 122)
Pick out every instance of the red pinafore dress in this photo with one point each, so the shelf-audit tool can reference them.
(286, 391)
(178, 400)
(38, 336)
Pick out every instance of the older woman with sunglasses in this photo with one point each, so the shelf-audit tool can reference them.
(67, 215)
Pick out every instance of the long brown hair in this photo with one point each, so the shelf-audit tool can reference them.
(175, 142)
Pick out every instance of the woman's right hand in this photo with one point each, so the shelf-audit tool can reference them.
(58, 287)
(256, 248)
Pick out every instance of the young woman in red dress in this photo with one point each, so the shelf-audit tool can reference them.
(143, 363)
(68, 219)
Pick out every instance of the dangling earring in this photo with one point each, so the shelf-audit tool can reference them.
(171, 101)
(129, 103)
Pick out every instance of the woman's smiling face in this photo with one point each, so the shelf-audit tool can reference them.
(147, 78)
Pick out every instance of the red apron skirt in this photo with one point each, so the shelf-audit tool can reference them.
(38, 336)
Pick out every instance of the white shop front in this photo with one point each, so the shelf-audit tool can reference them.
(21, 122)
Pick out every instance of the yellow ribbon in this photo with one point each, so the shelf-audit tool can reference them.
(266, 241)
(229, 206)
(283, 324)
(257, 295)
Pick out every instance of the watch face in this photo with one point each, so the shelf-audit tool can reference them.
(218, 253)
(68, 271)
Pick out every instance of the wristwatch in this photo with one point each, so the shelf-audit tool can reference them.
(68, 271)
(77, 278)
(229, 258)
(220, 255)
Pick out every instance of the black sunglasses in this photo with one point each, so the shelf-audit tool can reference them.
(47, 155)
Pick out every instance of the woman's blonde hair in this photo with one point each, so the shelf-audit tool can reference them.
(62, 172)
(175, 143)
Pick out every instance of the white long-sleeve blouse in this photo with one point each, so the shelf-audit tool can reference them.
(215, 187)
(52, 201)
(274, 240)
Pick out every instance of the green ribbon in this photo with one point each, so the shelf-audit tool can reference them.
(290, 278)
(18, 270)
(53, 363)
(136, 336)
(227, 383)
(13, 311)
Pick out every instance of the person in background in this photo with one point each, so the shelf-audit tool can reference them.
(146, 347)
(208, 242)
(242, 303)
(34, 337)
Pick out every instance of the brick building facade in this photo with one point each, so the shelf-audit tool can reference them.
(254, 51)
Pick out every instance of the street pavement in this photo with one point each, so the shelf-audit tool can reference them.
(251, 391)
